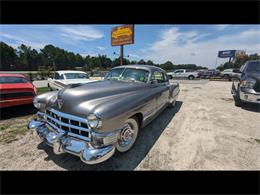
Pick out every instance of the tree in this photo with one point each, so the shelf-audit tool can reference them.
(8, 57)
(141, 62)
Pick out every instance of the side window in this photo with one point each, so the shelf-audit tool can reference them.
(56, 76)
(61, 77)
(159, 76)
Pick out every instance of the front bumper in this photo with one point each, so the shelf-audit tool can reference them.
(62, 142)
(249, 97)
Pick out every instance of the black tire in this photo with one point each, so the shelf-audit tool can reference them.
(49, 87)
(191, 77)
(226, 76)
(237, 100)
(170, 77)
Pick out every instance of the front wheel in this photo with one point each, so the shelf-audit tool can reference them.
(170, 77)
(128, 135)
(191, 77)
(237, 100)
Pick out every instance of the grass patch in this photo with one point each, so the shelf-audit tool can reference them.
(257, 140)
(3, 127)
(12, 133)
(42, 90)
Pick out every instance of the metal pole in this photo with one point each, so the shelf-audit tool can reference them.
(54, 67)
(216, 63)
(121, 54)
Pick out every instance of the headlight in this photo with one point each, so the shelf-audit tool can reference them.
(36, 103)
(94, 120)
(248, 83)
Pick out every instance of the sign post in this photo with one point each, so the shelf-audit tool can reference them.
(121, 54)
(120, 36)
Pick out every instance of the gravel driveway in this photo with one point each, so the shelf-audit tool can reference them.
(205, 131)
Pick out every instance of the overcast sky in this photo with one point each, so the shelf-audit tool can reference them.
(181, 44)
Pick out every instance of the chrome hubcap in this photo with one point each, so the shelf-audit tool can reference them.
(127, 134)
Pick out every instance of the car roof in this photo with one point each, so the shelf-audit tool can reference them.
(69, 71)
(11, 75)
(141, 66)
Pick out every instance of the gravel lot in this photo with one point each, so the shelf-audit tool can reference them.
(205, 131)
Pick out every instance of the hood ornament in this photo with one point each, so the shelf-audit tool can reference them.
(60, 102)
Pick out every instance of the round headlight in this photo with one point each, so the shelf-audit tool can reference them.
(93, 120)
(36, 103)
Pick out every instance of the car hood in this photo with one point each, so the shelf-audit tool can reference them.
(75, 81)
(255, 75)
(17, 87)
(89, 97)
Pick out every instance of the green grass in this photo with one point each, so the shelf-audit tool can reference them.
(11, 134)
(42, 90)
(3, 127)
(257, 140)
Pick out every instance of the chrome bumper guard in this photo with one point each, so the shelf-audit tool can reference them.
(62, 142)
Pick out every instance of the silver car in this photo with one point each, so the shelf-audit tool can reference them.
(94, 120)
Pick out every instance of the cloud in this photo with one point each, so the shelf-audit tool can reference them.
(101, 48)
(134, 55)
(89, 54)
(81, 33)
(18, 41)
(221, 27)
(177, 46)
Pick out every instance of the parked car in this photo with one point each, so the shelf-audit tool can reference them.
(93, 121)
(16, 89)
(182, 73)
(229, 73)
(246, 87)
(207, 74)
(64, 78)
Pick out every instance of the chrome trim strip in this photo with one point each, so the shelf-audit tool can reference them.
(68, 125)
(68, 116)
(88, 139)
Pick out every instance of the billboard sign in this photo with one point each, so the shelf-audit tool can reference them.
(122, 35)
(227, 54)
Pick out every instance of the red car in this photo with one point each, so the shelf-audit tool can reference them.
(15, 89)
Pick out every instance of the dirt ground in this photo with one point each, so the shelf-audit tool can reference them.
(205, 131)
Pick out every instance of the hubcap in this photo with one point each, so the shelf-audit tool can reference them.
(126, 135)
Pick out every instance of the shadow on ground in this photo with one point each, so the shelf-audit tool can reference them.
(120, 161)
(17, 111)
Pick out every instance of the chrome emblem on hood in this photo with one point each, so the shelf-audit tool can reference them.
(60, 102)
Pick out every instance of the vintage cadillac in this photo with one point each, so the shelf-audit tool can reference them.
(96, 119)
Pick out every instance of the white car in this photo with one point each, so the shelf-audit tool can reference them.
(183, 73)
(228, 73)
(66, 77)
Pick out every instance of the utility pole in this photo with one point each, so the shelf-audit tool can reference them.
(121, 54)
(54, 66)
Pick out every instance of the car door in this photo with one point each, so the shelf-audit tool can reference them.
(163, 88)
(181, 73)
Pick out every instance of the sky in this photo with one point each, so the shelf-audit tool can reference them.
(180, 44)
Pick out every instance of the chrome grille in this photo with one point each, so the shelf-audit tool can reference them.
(66, 122)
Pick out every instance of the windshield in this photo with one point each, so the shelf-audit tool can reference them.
(253, 67)
(128, 74)
(76, 76)
(12, 80)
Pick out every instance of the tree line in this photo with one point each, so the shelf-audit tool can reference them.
(28, 59)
